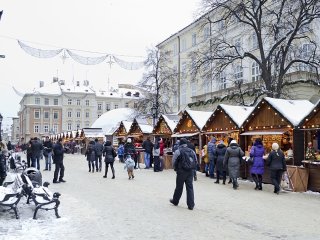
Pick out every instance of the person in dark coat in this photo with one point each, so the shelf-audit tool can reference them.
(156, 155)
(36, 150)
(58, 152)
(257, 168)
(29, 154)
(129, 149)
(9, 146)
(219, 156)
(98, 147)
(109, 154)
(211, 152)
(232, 159)
(277, 165)
(47, 152)
(183, 176)
(147, 145)
(91, 156)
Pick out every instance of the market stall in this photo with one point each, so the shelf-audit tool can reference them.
(310, 126)
(120, 134)
(190, 126)
(164, 129)
(139, 131)
(224, 124)
(276, 120)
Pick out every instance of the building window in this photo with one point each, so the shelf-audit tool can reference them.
(78, 114)
(255, 72)
(184, 70)
(237, 44)
(206, 33)
(99, 106)
(108, 107)
(254, 41)
(55, 115)
(238, 74)
(99, 115)
(127, 105)
(78, 102)
(116, 106)
(46, 128)
(36, 128)
(222, 81)
(87, 124)
(183, 44)
(56, 101)
(55, 128)
(87, 114)
(135, 105)
(194, 39)
(78, 125)
(46, 101)
(69, 127)
(183, 93)
(193, 88)
(69, 101)
(37, 101)
(69, 114)
(36, 114)
(46, 115)
(175, 49)
(87, 102)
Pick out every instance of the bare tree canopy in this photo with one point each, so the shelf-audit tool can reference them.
(272, 37)
(159, 82)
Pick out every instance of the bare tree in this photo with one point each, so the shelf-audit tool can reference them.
(159, 82)
(281, 30)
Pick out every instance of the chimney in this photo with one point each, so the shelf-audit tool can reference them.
(41, 84)
(61, 82)
(55, 79)
(78, 83)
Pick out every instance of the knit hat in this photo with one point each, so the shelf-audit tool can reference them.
(275, 146)
(233, 141)
(129, 140)
(183, 141)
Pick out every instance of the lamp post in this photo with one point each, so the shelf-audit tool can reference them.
(154, 114)
(1, 118)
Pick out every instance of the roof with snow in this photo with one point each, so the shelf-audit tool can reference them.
(200, 118)
(172, 120)
(293, 110)
(237, 113)
(312, 119)
(112, 118)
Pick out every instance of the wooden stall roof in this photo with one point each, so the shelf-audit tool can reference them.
(312, 120)
(273, 113)
(123, 129)
(93, 132)
(166, 124)
(227, 118)
(139, 129)
(191, 122)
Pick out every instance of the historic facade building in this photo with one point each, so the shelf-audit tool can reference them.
(58, 107)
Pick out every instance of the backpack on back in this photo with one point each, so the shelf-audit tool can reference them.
(187, 159)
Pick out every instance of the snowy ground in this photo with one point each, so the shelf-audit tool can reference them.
(96, 208)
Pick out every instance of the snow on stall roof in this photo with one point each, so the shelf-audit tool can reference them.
(172, 120)
(199, 117)
(237, 113)
(293, 110)
(127, 125)
(112, 118)
(146, 128)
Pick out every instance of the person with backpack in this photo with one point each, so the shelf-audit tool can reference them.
(184, 162)
(109, 153)
(98, 147)
(90, 155)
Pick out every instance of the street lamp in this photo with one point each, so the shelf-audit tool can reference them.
(154, 114)
(1, 118)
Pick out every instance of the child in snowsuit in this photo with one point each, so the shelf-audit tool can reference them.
(129, 165)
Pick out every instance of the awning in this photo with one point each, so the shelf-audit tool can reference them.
(221, 132)
(184, 134)
(265, 132)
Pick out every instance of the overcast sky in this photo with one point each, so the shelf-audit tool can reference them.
(121, 27)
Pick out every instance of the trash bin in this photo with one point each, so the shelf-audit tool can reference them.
(34, 175)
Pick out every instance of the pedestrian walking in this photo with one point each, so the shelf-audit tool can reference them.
(120, 152)
(3, 170)
(277, 166)
(98, 148)
(184, 160)
(219, 156)
(147, 145)
(58, 152)
(109, 156)
(205, 157)
(91, 156)
(156, 155)
(129, 165)
(129, 149)
(257, 168)
(232, 159)
(36, 150)
(47, 153)
(29, 154)
(212, 154)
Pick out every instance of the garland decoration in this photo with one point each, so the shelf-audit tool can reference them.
(39, 53)
(86, 60)
(128, 65)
